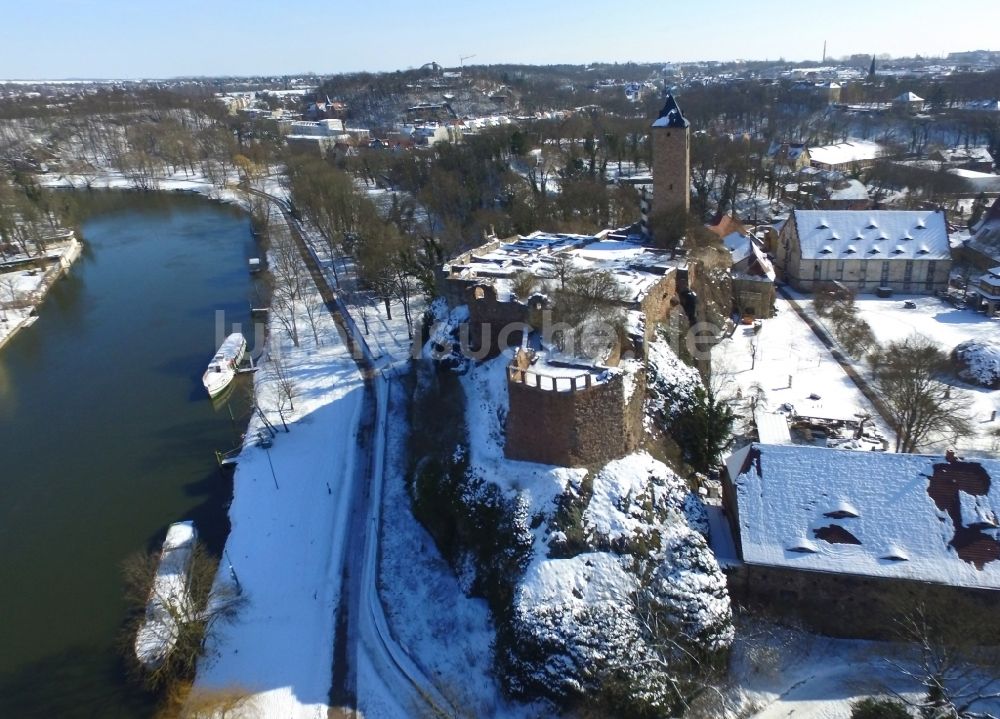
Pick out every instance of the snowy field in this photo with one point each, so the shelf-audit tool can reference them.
(286, 542)
(946, 325)
(791, 364)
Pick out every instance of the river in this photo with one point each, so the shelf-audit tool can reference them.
(107, 436)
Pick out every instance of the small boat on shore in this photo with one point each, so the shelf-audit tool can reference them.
(168, 598)
(223, 367)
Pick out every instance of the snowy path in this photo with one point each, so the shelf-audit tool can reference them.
(286, 548)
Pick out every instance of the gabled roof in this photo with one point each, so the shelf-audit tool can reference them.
(908, 97)
(845, 153)
(987, 233)
(670, 115)
(864, 234)
(899, 516)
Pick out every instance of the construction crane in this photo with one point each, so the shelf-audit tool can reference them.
(462, 59)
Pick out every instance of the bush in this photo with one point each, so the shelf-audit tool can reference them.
(879, 708)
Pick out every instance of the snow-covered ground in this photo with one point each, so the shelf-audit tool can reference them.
(779, 672)
(286, 545)
(447, 633)
(946, 325)
(29, 287)
(791, 364)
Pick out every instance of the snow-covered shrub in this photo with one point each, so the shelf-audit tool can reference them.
(670, 384)
(574, 635)
(689, 588)
(978, 362)
(632, 617)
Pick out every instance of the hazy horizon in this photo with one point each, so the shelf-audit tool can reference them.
(118, 40)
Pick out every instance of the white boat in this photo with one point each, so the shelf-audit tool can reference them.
(169, 598)
(222, 369)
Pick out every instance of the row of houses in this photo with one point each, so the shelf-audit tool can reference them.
(792, 157)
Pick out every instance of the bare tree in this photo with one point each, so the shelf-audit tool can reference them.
(919, 405)
(956, 676)
(285, 385)
(191, 614)
(289, 278)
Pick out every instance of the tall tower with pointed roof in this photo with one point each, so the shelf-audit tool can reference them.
(671, 159)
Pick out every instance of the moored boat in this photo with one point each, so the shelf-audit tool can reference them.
(169, 600)
(222, 369)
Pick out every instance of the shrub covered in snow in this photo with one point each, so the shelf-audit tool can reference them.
(632, 620)
(670, 384)
(978, 362)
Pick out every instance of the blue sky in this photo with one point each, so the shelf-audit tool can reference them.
(166, 38)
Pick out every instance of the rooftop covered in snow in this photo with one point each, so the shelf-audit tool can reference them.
(872, 234)
(845, 153)
(635, 266)
(895, 516)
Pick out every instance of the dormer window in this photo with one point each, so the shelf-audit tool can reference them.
(802, 546)
(825, 251)
(843, 510)
(923, 251)
(883, 236)
(872, 225)
(874, 251)
(895, 553)
(850, 250)
(921, 225)
(907, 236)
(822, 225)
(898, 251)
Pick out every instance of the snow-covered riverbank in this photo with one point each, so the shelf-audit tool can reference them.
(24, 285)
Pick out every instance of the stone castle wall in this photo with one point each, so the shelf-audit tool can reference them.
(585, 426)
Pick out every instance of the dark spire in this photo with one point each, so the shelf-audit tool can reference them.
(670, 115)
(871, 70)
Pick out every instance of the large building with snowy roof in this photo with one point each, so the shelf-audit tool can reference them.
(845, 535)
(903, 250)
(845, 156)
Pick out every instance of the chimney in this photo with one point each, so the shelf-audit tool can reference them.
(950, 456)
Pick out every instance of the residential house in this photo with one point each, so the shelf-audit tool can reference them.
(848, 539)
(845, 194)
(865, 250)
(846, 156)
(752, 273)
(977, 157)
(908, 102)
(982, 250)
(789, 156)
(985, 294)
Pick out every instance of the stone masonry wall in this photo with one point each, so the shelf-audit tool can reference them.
(671, 168)
(857, 607)
(573, 428)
